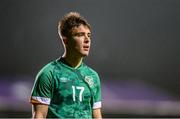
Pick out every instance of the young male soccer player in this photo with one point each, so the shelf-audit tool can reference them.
(66, 87)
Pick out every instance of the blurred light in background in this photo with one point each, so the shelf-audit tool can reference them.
(134, 97)
(14, 96)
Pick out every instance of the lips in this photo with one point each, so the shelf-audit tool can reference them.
(86, 48)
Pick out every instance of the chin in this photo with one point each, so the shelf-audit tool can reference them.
(84, 55)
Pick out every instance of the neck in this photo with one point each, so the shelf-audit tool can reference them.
(72, 60)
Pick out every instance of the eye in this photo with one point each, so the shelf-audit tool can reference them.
(89, 35)
(79, 34)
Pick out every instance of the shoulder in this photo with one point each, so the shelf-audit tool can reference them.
(92, 77)
(91, 74)
(47, 70)
(90, 70)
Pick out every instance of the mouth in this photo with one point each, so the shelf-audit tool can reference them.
(86, 48)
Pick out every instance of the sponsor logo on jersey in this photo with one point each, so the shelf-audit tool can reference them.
(89, 80)
(63, 79)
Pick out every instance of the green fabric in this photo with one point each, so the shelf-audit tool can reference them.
(72, 92)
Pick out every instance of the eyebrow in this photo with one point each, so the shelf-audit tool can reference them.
(81, 33)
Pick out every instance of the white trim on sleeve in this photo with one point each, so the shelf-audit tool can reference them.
(42, 100)
(97, 105)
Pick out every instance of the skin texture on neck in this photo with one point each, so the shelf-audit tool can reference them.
(72, 60)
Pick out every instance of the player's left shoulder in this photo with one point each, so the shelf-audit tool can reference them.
(90, 70)
(91, 76)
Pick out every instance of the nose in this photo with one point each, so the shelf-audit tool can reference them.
(87, 39)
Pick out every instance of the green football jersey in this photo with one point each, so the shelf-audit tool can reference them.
(69, 92)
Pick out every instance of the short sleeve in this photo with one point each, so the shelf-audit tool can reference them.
(97, 93)
(42, 88)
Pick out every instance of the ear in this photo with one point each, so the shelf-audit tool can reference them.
(65, 40)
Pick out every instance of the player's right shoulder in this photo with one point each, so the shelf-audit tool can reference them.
(47, 70)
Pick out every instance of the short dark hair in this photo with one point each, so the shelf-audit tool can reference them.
(69, 21)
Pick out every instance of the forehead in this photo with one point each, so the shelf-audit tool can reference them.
(81, 28)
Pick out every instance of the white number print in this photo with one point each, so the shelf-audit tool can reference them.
(80, 94)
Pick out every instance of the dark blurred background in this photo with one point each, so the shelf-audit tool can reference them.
(135, 49)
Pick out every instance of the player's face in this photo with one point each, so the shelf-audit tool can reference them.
(80, 40)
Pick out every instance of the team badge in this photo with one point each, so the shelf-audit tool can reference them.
(89, 80)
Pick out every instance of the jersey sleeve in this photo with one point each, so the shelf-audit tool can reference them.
(97, 93)
(42, 88)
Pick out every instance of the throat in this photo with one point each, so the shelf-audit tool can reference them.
(74, 63)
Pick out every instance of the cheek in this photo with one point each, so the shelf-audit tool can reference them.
(78, 45)
(75, 42)
(79, 42)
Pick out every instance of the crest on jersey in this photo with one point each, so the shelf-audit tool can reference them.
(89, 80)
